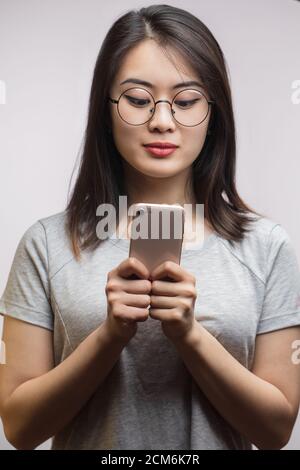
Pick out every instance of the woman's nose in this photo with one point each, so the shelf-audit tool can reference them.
(163, 117)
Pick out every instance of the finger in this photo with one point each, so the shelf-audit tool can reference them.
(168, 269)
(162, 314)
(131, 314)
(141, 286)
(157, 301)
(182, 289)
(133, 267)
(136, 300)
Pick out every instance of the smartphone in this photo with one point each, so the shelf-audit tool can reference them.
(156, 233)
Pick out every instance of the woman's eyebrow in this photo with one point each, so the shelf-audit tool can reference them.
(137, 81)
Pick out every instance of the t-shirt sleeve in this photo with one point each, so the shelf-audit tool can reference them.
(27, 292)
(281, 305)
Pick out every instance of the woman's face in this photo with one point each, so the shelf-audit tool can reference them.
(149, 63)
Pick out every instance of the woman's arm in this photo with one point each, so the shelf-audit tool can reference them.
(261, 404)
(36, 398)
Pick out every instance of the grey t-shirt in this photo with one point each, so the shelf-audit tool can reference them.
(150, 400)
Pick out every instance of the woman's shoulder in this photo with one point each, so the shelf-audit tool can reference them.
(39, 233)
(260, 244)
(264, 231)
(54, 223)
(47, 237)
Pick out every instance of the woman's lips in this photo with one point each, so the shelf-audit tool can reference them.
(160, 151)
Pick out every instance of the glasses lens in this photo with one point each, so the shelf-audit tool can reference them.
(190, 107)
(136, 106)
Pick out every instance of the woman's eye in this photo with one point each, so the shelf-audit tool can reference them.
(185, 103)
(137, 101)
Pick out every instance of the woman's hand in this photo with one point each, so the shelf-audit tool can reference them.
(173, 302)
(128, 297)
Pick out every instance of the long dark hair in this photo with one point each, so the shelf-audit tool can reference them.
(100, 176)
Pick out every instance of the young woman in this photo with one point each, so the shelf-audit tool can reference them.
(210, 364)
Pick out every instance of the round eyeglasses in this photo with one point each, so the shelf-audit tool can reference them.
(136, 106)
